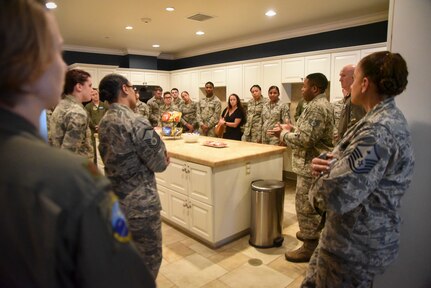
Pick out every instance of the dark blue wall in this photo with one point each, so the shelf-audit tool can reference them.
(360, 35)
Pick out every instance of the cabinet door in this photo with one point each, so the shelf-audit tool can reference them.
(137, 78)
(179, 211)
(194, 86)
(338, 61)
(163, 80)
(204, 77)
(185, 81)
(162, 178)
(251, 76)
(164, 201)
(150, 78)
(201, 219)
(366, 52)
(234, 82)
(178, 176)
(200, 182)
(218, 76)
(271, 74)
(293, 70)
(318, 63)
(175, 81)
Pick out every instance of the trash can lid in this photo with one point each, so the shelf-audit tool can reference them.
(267, 185)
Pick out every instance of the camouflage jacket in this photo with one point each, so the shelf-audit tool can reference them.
(142, 109)
(70, 127)
(271, 115)
(312, 134)
(350, 114)
(209, 110)
(131, 151)
(154, 105)
(364, 187)
(253, 125)
(178, 101)
(189, 113)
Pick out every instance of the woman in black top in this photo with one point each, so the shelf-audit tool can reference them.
(233, 117)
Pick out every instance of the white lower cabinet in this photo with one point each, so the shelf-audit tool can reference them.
(185, 191)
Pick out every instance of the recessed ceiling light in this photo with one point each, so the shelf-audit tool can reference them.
(170, 9)
(200, 33)
(156, 46)
(270, 13)
(129, 27)
(50, 5)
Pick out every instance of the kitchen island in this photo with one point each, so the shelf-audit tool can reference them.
(206, 191)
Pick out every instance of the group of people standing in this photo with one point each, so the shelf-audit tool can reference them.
(65, 225)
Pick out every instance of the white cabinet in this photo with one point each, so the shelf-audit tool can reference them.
(185, 191)
(366, 52)
(215, 75)
(338, 61)
(271, 75)
(234, 83)
(137, 77)
(124, 72)
(97, 72)
(163, 80)
(318, 64)
(292, 70)
(251, 76)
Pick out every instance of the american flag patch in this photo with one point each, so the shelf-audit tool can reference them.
(363, 159)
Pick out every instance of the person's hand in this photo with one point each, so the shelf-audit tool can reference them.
(189, 127)
(275, 131)
(221, 122)
(204, 129)
(320, 166)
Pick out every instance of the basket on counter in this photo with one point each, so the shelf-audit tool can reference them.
(170, 129)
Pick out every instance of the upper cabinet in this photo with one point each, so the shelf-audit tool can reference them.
(292, 70)
(234, 83)
(365, 52)
(251, 76)
(216, 75)
(338, 61)
(318, 64)
(97, 72)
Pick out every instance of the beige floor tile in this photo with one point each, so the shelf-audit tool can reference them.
(292, 270)
(192, 271)
(170, 236)
(163, 282)
(229, 259)
(202, 249)
(215, 284)
(296, 283)
(255, 276)
(176, 251)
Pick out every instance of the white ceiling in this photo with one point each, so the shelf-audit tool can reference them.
(99, 25)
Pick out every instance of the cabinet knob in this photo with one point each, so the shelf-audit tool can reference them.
(185, 205)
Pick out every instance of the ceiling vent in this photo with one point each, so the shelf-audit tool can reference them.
(200, 17)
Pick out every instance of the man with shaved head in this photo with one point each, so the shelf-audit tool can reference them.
(350, 113)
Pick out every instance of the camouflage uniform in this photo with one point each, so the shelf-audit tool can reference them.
(189, 115)
(154, 110)
(350, 114)
(70, 127)
(300, 108)
(132, 151)
(361, 195)
(312, 136)
(95, 113)
(177, 101)
(142, 109)
(253, 125)
(208, 113)
(271, 115)
(59, 221)
(48, 124)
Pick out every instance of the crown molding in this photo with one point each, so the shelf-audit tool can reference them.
(291, 33)
(87, 49)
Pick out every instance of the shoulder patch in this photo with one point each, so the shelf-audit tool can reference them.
(314, 122)
(151, 138)
(363, 159)
(118, 222)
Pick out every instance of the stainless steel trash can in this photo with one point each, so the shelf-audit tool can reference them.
(267, 201)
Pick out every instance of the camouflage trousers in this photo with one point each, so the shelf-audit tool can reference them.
(210, 133)
(308, 219)
(328, 270)
(146, 230)
(253, 137)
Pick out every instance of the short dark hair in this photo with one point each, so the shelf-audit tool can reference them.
(157, 88)
(319, 80)
(74, 77)
(166, 93)
(110, 87)
(388, 71)
(274, 87)
(210, 83)
(257, 86)
(176, 89)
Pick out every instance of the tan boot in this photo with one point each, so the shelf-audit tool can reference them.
(303, 253)
(300, 236)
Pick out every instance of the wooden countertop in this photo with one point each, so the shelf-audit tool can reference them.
(235, 152)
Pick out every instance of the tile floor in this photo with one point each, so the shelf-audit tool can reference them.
(188, 263)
